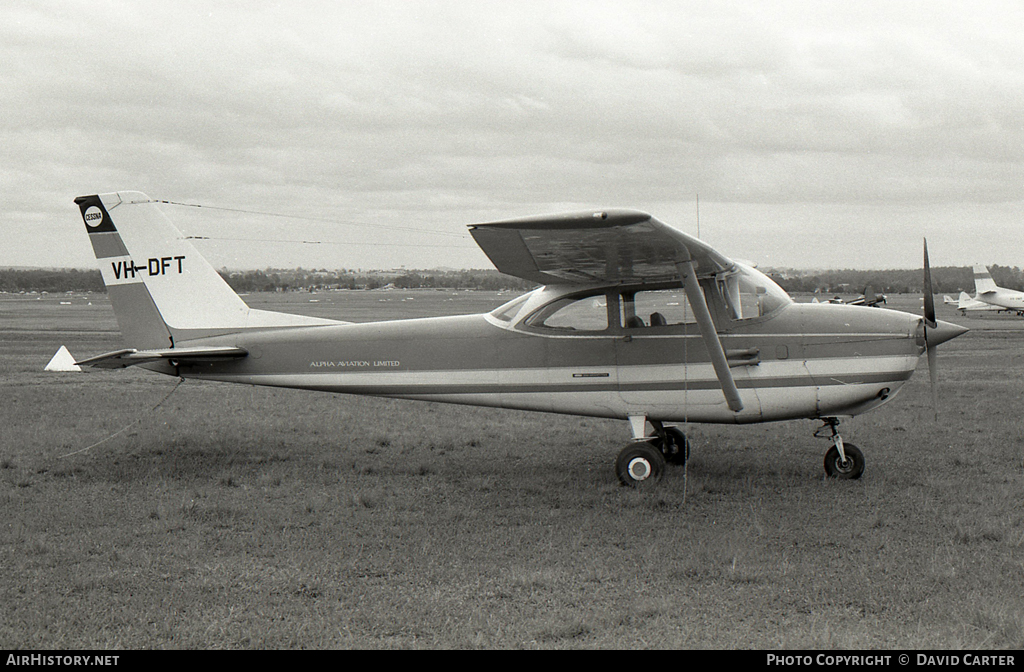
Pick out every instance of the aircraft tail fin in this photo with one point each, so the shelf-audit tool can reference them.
(162, 290)
(983, 282)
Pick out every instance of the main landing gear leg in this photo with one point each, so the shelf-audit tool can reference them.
(644, 459)
(672, 442)
(843, 460)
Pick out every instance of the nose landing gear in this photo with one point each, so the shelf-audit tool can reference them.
(842, 460)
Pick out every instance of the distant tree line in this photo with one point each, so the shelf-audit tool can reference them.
(945, 280)
(276, 280)
(273, 280)
(50, 280)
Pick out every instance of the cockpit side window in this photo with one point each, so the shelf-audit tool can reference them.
(655, 308)
(573, 314)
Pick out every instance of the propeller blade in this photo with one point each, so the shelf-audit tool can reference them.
(930, 323)
(933, 374)
(935, 332)
(929, 297)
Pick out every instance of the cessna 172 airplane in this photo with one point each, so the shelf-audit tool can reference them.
(634, 320)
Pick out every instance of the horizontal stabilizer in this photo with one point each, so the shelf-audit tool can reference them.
(62, 361)
(120, 359)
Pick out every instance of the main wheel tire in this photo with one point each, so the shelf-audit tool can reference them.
(851, 469)
(676, 447)
(640, 463)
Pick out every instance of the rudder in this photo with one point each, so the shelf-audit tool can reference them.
(983, 282)
(140, 321)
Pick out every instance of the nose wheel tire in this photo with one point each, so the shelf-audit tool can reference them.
(640, 463)
(852, 468)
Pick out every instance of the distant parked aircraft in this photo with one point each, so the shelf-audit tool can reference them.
(964, 302)
(987, 291)
(868, 298)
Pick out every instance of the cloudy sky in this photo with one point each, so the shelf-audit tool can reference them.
(816, 134)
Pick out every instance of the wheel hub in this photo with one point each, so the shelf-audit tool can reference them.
(639, 468)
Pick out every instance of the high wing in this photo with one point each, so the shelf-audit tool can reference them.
(121, 359)
(608, 246)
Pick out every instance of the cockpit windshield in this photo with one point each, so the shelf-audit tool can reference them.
(748, 293)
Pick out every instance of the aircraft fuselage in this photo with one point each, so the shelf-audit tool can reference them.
(1007, 299)
(800, 361)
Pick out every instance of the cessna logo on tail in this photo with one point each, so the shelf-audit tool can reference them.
(93, 217)
(155, 266)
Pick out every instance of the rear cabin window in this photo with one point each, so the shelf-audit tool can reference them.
(506, 312)
(573, 314)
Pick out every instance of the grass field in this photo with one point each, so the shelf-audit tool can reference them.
(233, 517)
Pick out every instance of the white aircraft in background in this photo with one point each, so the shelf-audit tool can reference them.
(964, 302)
(987, 291)
(636, 321)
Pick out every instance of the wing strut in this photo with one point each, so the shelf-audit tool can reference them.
(707, 330)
